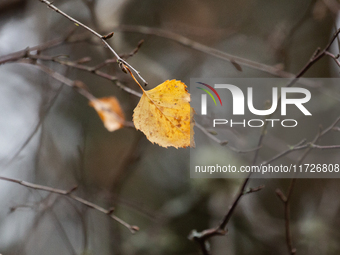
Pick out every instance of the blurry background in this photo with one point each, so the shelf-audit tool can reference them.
(50, 136)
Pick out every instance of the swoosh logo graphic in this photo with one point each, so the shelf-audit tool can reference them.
(208, 92)
(213, 90)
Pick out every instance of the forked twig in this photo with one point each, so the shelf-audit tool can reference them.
(286, 198)
(203, 236)
(103, 38)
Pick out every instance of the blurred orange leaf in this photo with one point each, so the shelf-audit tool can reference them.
(164, 115)
(109, 111)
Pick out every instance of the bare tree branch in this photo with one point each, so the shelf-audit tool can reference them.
(286, 198)
(205, 49)
(318, 54)
(69, 194)
(95, 70)
(296, 147)
(335, 58)
(68, 38)
(103, 38)
(202, 237)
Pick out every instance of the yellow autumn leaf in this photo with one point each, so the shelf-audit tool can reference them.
(164, 115)
(110, 112)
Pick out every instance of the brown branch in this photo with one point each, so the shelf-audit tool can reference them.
(95, 70)
(325, 147)
(203, 48)
(316, 57)
(69, 194)
(335, 58)
(286, 198)
(318, 54)
(206, 49)
(302, 146)
(331, 127)
(101, 37)
(203, 236)
(134, 51)
(78, 85)
(68, 38)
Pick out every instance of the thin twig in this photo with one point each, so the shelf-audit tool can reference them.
(335, 58)
(69, 193)
(68, 38)
(95, 70)
(79, 85)
(134, 51)
(203, 48)
(101, 37)
(208, 50)
(296, 147)
(325, 147)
